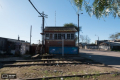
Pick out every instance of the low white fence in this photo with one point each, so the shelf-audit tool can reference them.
(91, 47)
(104, 47)
(96, 47)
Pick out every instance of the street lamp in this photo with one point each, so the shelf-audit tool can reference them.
(98, 41)
(78, 30)
(62, 44)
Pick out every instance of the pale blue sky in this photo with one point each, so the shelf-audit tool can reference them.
(16, 17)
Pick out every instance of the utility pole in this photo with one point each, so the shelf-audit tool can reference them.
(78, 33)
(41, 15)
(39, 42)
(78, 29)
(30, 34)
(98, 42)
(62, 45)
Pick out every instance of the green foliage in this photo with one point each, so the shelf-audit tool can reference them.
(88, 76)
(27, 52)
(114, 75)
(100, 8)
(45, 71)
(43, 78)
(71, 25)
(17, 55)
(115, 36)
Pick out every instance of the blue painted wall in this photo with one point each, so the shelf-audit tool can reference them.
(67, 50)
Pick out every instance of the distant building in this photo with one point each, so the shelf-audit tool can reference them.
(8, 45)
(108, 44)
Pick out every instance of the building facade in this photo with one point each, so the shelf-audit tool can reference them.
(13, 46)
(55, 35)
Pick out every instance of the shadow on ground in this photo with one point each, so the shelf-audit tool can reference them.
(108, 60)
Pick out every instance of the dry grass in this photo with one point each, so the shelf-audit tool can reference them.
(40, 71)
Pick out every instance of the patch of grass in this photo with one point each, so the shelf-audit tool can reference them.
(68, 73)
(43, 78)
(82, 72)
(57, 73)
(116, 50)
(76, 78)
(114, 75)
(49, 75)
(88, 77)
(67, 78)
(73, 73)
(45, 71)
(94, 77)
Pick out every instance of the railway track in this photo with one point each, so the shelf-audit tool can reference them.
(40, 62)
(46, 60)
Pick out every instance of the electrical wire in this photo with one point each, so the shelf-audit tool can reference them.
(35, 8)
(73, 6)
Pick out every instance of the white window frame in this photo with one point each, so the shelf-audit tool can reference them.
(73, 36)
(53, 36)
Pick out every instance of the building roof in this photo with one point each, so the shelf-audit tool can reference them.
(60, 29)
(14, 40)
(113, 43)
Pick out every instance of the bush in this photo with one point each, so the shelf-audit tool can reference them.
(27, 52)
(17, 55)
(1, 53)
(8, 53)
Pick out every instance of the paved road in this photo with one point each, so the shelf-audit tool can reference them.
(110, 58)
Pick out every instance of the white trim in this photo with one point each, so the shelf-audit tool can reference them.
(53, 36)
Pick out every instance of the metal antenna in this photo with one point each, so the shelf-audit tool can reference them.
(30, 33)
(55, 18)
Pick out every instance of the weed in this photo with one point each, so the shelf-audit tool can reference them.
(114, 75)
(43, 78)
(45, 71)
(94, 77)
(88, 76)
(67, 78)
(76, 78)
(57, 73)
(82, 72)
(73, 73)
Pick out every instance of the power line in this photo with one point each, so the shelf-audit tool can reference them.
(35, 8)
(0, 5)
(72, 6)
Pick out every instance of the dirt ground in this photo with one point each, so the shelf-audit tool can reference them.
(56, 70)
(96, 77)
(60, 70)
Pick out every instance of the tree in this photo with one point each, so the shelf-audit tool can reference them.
(115, 36)
(85, 39)
(82, 38)
(71, 25)
(99, 8)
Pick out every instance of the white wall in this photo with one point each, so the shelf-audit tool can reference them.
(24, 48)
